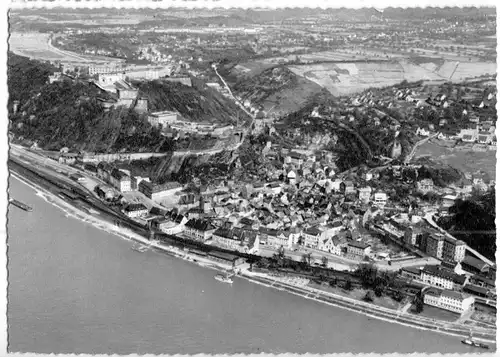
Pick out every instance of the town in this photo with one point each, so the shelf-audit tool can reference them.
(345, 192)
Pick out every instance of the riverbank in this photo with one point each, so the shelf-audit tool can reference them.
(263, 279)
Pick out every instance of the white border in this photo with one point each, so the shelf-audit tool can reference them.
(202, 4)
(267, 4)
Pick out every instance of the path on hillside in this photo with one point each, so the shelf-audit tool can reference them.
(416, 146)
(234, 98)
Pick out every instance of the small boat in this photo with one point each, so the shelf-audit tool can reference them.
(470, 342)
(140, 248)
(20, 205)
(223, 278)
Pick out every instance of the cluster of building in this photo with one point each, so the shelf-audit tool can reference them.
(452, 287)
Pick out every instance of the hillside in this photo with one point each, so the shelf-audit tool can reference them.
(354, 143)
(473, 221)
(276, 89)
(194, 103)
(25, 77)
(67, 114)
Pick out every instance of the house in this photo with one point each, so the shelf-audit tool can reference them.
(281, 239)
(365, 194)
(311, 237)
(423, 132)
(332, 229)
(104, 170)
(448, 200)
(410, 272)
(474, 265)
(347, 187)
(449, 300)
(295, 158)
(483, 281)
(331, 245)
(468, 134)
(294, 233)
(425, 185)
(380, 199)
(228, 238)
(173, 223)
(157, 191)
(274, 188)
(266, 235)
(441, 277)
(135, 210)
(250, 242)
(357, 250)
(120, 180)
(199, 230)
(292, 177)
(336, 185)
(484, 138)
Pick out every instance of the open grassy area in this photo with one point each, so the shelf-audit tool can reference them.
(435, 313)
(358, 294)
(466, 161)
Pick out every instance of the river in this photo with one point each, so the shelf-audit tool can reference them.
(76, 289)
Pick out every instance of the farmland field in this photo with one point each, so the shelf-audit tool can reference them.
(348, 78)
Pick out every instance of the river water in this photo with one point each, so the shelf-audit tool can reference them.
(76, 289)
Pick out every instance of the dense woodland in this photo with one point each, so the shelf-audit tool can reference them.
(473, 221)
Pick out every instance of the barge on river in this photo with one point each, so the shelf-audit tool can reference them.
(20, 205)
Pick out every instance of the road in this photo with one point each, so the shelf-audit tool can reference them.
(415, 147)
(65, 53)
(334, 261)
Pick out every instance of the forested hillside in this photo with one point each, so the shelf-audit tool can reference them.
(473, 221)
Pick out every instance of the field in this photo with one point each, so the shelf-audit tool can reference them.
(466, 161)
(348, 78)
(34, 45)
(37, 46)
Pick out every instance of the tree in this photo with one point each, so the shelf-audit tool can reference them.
(419, 303)
(324, 261)
(348, 285)
(368, 297)
(378, 290)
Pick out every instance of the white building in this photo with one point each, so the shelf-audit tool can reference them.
(331, 245)
(448, 300)
(442, 277)
(380, 199)
(312, 237)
